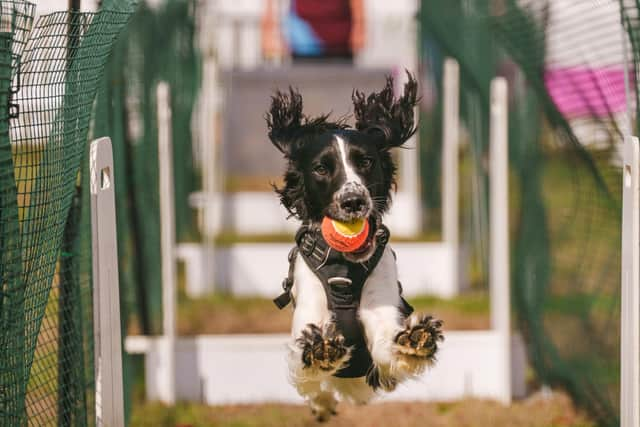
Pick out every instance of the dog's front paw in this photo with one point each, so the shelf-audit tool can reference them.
(420, 337)
(322, 349)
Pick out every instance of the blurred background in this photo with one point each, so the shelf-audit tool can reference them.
(95, 71)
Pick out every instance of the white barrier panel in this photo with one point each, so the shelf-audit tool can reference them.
(237, 369)
(236, 212)
(106, 297)
(258, 268)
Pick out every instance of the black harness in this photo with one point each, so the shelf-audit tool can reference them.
(342, 281)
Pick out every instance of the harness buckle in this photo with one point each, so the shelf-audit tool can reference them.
(287, 284)
(339, 280)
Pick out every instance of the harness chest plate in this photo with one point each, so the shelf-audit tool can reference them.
(342, 281)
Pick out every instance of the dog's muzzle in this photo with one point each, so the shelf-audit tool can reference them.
(353, 202)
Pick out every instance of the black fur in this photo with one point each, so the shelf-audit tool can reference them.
(287, 125)
(288, 129)
(381, 113)
(382, 122)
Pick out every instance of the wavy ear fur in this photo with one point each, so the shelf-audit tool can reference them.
(381, 113)
(287, 123)
(288, 128)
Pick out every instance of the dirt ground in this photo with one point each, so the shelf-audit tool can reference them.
(555, 410)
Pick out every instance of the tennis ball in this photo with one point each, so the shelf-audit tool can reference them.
(345, 236)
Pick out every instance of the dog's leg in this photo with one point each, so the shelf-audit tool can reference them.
(400, 348)
(353, 390)
(323, 405)
(317, 351)
(381, 320)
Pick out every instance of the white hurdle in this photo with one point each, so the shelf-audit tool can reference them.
(167, 238)
(106, 297)
(630, 295)
(450, 146)
(450, 140)
(499, 279)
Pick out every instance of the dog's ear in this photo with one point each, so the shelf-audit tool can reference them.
(389, 119)
(284, 119)
(287, 124)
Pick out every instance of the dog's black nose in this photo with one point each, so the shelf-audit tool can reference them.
(352, 203)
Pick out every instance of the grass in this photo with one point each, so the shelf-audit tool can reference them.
(555, 410)
(228, 314)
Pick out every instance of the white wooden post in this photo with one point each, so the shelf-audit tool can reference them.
(409, 171)
(167, 237)
(630, 304)
(208, 136)
(499, 226)
(106, 295)
(450, 141)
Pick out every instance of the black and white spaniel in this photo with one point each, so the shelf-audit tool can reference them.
(349, 339)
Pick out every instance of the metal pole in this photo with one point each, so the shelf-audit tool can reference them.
(630, 304)
(167, 234)
(499, 226)
(106, 294)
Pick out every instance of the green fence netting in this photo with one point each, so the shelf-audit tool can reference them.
(49, 74)
(158, 45)
(565, 65)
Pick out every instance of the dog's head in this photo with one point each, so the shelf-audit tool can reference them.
(334, 170)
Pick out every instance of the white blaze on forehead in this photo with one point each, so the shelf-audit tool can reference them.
(352, 176)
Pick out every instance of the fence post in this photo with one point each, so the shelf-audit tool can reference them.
(630, 294)
(167, 236)
(106, 295)
(450, 141)
(499, 226)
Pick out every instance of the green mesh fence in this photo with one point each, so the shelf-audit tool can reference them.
(564, 62)
(49, 73)
(158, 45)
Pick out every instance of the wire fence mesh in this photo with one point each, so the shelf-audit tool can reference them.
(158, 44)
(49, 74)
(565, 63)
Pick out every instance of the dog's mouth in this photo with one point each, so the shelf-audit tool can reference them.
(368, 243)
(342, 215)
(366, 250)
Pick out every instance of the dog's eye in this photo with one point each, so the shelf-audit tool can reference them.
(365, 163)
(321, 170)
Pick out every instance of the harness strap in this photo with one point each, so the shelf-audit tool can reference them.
(313, 247)
(343, 282)
(285, 298)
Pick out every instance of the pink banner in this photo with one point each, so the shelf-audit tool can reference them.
(582, 91)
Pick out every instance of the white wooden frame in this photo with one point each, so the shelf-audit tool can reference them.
(106, 294)
(450, 141)
(499, 280)
(630, 294)
(167, 234)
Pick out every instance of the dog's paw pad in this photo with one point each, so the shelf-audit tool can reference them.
(322, 349)
(420, 337)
